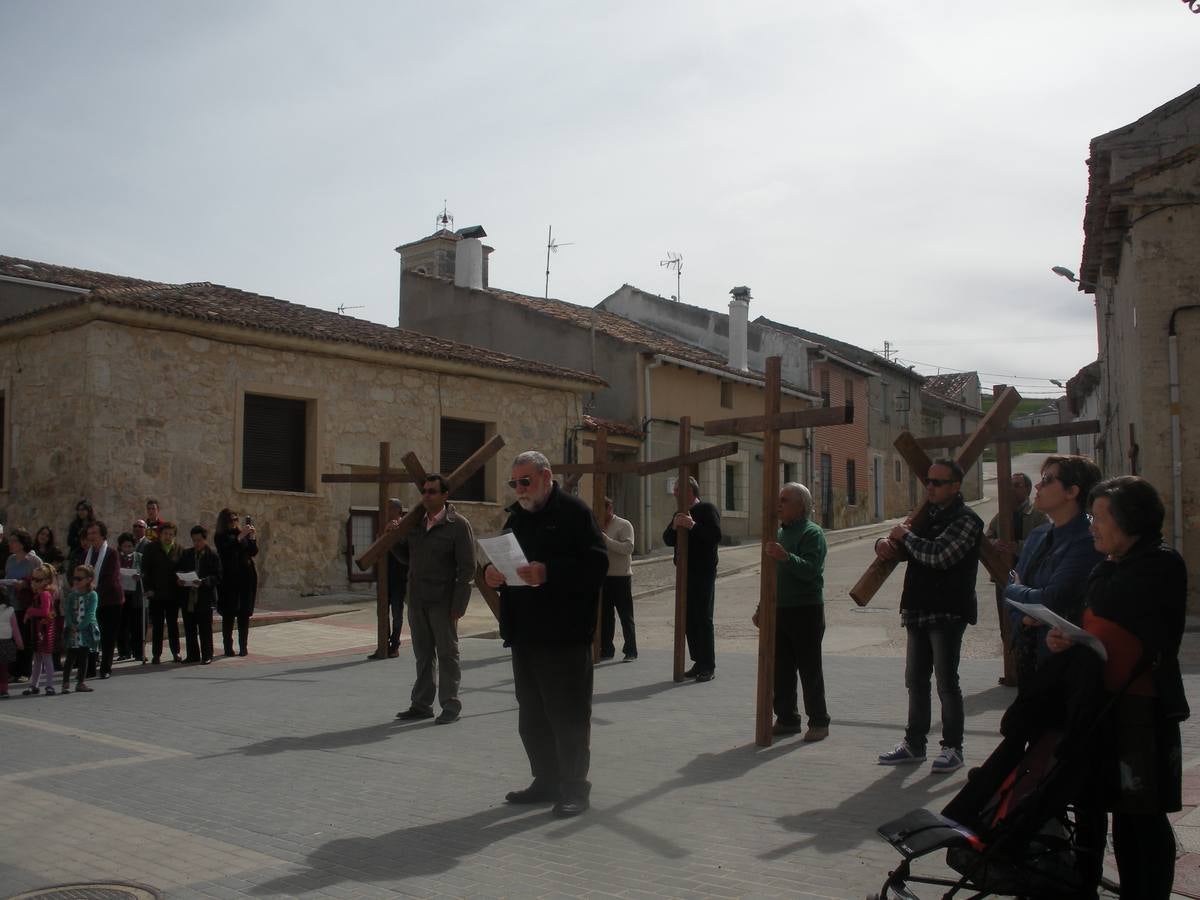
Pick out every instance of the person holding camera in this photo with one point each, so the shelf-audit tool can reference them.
(237, 545)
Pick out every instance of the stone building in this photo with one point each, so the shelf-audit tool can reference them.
(205, 396)
(653, 379)
(1141, 264)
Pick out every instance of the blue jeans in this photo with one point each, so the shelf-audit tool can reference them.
(934, 651)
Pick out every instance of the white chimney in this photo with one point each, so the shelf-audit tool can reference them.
(468, 263)
(739, 318)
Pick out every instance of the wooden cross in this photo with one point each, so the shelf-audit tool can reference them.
(996, 560)
(384, 476)
(770, 424)
(603, 466)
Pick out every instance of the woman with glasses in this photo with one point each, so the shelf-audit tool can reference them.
(1055, 558)
(237, 545)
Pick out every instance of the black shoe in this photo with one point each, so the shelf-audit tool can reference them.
(103, 676)
(567, 807)
(229, 652)
(412, 714)
(692, 672)
(786, 726)
(535, 793)
(446, 716)
(206, 662)
(376, 655)
(630, 657)
(177, 659)
(604, 656)
(243, 652)
(705, 676)
(156, 661)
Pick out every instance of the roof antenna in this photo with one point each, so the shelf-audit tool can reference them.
(552, 245)
(342, 309)
(674, 261)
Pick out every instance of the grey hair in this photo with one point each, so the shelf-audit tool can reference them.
(694, 485)
(805, 494)
(395, 501)
(532, 458)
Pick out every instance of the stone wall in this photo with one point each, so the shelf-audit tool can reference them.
(118, 413)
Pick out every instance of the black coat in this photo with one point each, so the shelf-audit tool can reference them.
(702, 539)
(158, 573)
(562, 535)
(207, 566)
(239, 575)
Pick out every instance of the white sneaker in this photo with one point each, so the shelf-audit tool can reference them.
(947, 761)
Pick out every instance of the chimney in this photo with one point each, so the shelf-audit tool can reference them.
(739, 317)
(468, 257)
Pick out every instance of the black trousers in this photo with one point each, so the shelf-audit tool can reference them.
(109, 618)
(701, 590)
(132, 639)
(198, 631)
(164, 613)
(1144, 846)
(798, 634)
(243, 630)
(616, 599)
(76, 658)
(554, 695)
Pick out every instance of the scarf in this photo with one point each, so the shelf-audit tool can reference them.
(101, 556)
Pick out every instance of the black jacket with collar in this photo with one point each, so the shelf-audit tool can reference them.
(563, 536)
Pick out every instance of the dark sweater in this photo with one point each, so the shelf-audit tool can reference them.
(702, 539)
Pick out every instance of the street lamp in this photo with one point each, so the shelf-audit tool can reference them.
(1070, 276)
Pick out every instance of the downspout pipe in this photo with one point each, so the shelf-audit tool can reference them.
(648, 418)
(1176, 438)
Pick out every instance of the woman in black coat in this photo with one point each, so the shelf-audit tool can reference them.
(1136, 604)
(237, 545)
(198, 573)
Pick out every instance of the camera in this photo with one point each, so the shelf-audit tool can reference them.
(248, 521)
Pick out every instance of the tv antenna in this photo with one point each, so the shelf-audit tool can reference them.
(552, 246)
(674, 261)
(444, 221)
(342, 309)
(887, 352)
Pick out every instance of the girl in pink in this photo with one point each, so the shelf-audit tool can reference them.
(10, 642)
(42, 618)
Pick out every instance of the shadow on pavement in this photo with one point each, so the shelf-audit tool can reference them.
(994, 699)
(422, 850)
(880, 801)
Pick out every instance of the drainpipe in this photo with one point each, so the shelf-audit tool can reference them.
(647, 417)
(1176, 442)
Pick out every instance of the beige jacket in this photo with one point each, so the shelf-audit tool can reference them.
(618, 539)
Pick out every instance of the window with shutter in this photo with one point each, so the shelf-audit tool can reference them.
(460, 439)
(274, 448)
(851, 483)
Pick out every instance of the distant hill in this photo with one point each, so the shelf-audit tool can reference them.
(1024, 408)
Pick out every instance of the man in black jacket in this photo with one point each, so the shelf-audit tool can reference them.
(549, 622)
(937, 604)
(703, 523)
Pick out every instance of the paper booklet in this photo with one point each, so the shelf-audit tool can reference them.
(505, 554)
(129, 579)
(1047, 616)
(188, 579)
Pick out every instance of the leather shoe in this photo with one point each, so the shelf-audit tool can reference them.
(392, 654)
(705, 676)
(570, 806)
(815, 733)
(783, 727)
(692, 672)
(376, 655)
(446, 716)
(412, 714)
(535, 793)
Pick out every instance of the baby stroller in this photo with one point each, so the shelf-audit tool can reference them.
(1014, 828)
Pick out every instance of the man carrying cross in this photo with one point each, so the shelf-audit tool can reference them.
(937, 604)
(703, 523)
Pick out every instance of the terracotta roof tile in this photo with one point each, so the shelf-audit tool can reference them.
(949, 384)
(52, 274)
(217, 303)
(594, 423)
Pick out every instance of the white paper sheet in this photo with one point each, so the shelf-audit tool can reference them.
(1047, 616)
(129, 579)
(506, 555)
(188, 579)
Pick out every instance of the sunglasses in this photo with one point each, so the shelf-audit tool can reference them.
(1048, 478)
(938, 482)
(80, 578)
(523, 482)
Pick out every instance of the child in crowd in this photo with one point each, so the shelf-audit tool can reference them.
(10, 642)
(42, 616)
(83, 631)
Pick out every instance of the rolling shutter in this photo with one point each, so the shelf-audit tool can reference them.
(459, 440)
(273, 443)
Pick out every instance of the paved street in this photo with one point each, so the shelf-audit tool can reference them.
(286, 774)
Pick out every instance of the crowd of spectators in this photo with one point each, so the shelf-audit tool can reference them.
(101, 598)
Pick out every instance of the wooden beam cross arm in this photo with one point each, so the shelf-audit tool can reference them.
(992, 424)
(455, 480)
(781, 421)
(1012, 435)
(648, 467)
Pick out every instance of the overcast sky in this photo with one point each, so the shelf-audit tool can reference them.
(873, 171)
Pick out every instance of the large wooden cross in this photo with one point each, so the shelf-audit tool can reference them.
(602, 466)
(996, 559)
(770, 424)
(385, 476)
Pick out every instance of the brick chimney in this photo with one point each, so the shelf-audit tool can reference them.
(739, 318)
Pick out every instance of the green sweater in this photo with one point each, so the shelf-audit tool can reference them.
(801, 577)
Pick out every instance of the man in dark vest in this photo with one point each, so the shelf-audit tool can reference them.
(703, 522)
(937, 604)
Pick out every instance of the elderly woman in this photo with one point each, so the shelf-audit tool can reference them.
(237, 545)
(1056, 558)
(1136, 605)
